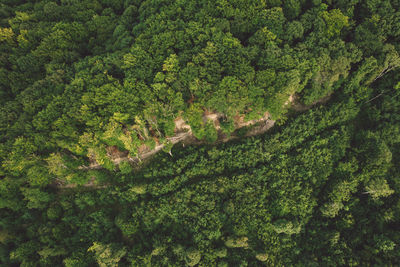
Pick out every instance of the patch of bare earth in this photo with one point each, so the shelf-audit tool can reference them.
(114, 153)
(298, 106)
(181, 125)
(184, 135)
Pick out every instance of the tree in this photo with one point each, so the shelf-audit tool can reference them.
(107, 255)
(37, 199)
(192, 257)
(335, 21)
(125, 167)
(291, 8)
(294, 31)
(287, 227)
(7, 35)
(378, 188)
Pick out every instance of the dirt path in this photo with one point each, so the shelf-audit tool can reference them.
(298, 106)
(184, 135)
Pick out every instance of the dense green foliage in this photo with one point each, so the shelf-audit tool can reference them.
(79, 77)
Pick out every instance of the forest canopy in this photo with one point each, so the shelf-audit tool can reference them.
(88, 87)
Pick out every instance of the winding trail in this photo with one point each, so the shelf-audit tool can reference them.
(184, 135)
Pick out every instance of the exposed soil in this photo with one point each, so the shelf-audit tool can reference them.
(184, 135)
(298, 106)
(181, 125)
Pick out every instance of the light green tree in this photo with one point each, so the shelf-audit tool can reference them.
(107, 255)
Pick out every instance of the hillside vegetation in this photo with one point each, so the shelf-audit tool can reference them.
(82, 82)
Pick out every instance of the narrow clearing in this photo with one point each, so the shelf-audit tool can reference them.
(184, 135)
